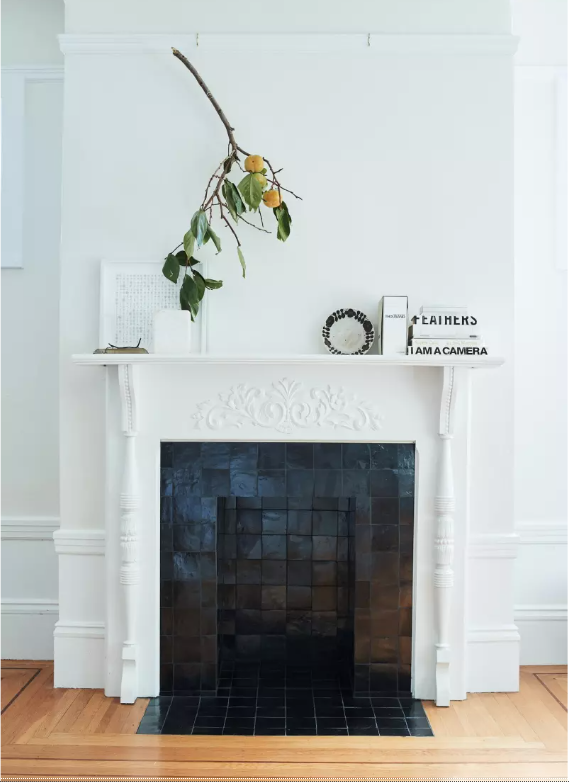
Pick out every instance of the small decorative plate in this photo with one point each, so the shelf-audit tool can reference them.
(348, 332)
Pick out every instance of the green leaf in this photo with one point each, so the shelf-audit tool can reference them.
(189, 299)
(213, 285)
(189, 242)
(284, 221)
(200, 285)
(183, 259)
(251, 191)
(263, 171)
(233, 199)
(199, 226)
(171, 268)
(241, 260)
(215, 238)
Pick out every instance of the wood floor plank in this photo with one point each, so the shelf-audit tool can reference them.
(17, 717)
(557, 685)
(13, 682)
(255, 751)
(465, 771)
(7, 664)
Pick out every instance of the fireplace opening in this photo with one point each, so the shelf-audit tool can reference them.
(286, 588)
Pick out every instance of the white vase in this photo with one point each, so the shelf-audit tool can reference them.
(171, 331)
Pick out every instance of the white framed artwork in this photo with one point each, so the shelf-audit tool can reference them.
(131, 293)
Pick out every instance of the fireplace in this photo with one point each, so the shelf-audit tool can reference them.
(293, 553)
(411, 409)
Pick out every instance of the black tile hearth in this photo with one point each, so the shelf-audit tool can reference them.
(273, 700)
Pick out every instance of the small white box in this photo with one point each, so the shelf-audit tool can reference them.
(393, 325)
(171, 333)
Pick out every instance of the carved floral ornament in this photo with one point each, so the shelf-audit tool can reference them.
(285, 406)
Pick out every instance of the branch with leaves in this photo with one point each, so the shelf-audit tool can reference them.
(226, 201)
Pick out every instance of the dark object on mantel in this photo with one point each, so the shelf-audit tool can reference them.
(114, 349)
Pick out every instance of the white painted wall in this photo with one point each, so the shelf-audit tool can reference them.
(30, 329)
(541, 347)
(404, 160)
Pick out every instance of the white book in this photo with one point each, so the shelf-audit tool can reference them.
(420, 331)
(443, 309)
(447, 347)
(393, 316)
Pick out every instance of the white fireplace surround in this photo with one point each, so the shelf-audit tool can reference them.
(284, 398)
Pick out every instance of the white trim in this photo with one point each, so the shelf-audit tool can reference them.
(79, 630)
(29, 606)
(29, 527)
(542, 532)
(80, 541)
(36, 72)
(114, 359)
(502, 634)
(494, 545)
(541, 613)
(108, 43)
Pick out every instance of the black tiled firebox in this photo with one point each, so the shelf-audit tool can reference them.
(291, 555)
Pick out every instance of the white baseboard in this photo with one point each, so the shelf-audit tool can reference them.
(79, 655)
(27, 628)
(544, 634)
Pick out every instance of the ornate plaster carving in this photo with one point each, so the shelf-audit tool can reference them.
(285, 406)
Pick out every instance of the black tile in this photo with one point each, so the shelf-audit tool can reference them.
(385, 723)
(385, 510)
(274, 521)
(270, 722)
(186, 566)
(325, 522)
(384, 456)
(243, 456)
(299, 522)
(359, 712)
(387, 713)
(248, 521)
(246, 502)
(299, 456)
(384, 483)
(215, 455)
(248, 571)
(243, 483)
(299, 597)
(362, 727)
(356, 456)
(416, 731)
(249, 546)
(300, 573)
(324, 547)
(328, 483)
(271, 483)
(384, 537)
(202, 731)
(406, 480)
(327, 456)
(388, 703)
(394, 731)
(356, 483)
(300, 547)
(274, 547)
(414, 710)
(209, 722)
(273, 597)
(215, 483)
(248, 596)
(271, 456)
(300, 503)
(273, 572)
(326, 731)
(300, 482)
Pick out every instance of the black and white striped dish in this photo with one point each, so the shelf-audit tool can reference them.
(348, 332)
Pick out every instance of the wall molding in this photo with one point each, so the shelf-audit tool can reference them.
(80, 541)
(375, 43)
(29, 527)
(36, 72)
(29, 606)
(541, 613)
(507, 633)
(542, 532)
(494, 545)
(75, 629)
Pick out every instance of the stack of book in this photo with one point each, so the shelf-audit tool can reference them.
(441, 331)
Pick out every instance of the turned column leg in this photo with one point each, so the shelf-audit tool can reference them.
(444, 508)
(129, 504)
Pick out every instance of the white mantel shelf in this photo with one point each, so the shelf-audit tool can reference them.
(111, 359)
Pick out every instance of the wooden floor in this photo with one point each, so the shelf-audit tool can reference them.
(80, 733)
